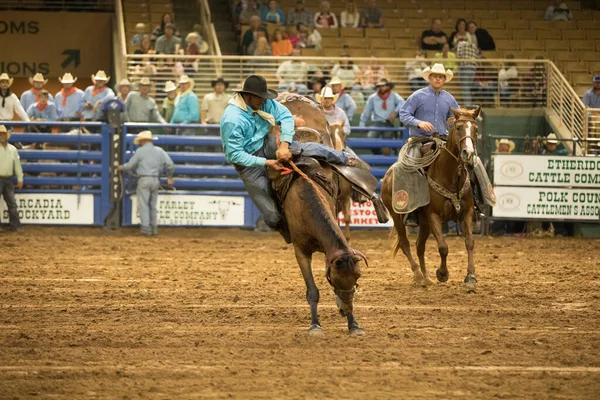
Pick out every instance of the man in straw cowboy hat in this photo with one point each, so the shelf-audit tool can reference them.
(381, 109)
(69, 100)
(186, 103)
(10, 166)
(140, 106)
(333, 113)
(214, 104)
(94, 95)
(344, 101)
(32, 95)
(505, 145)
(168, 105)
(122, 89)
(551, 146)
(426, 112)
(148, 161)
(9, 102)
(245, 126)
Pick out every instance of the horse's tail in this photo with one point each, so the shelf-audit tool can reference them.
(395, 239)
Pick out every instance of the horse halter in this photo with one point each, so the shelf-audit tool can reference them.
(462, 119)
(345, 295)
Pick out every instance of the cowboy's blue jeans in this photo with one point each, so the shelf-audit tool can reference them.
(257, 182)
(7, 190)
(147, 196)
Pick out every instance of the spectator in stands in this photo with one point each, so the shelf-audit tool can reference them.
(345, 100)
(252, 34)
(504, 146)
(140, 32)
(446, 57)
(194, 48)
(347, 72)
(145, 48)
(186, 105)
(381, 109)
(294, 36)
(9, 102)
(10, 166)
(168, 106)
(333, 113)
(262, 48)
(122, 89)
(213, 104)
(140, 106)
(551, 146)
(414, 70)
(94, 95)
(370, 75)
(481, 37)
(69, 100)
(168, 43)
(293, 74)
(467, 51)
(300, 14)
(508, 79)
(166, 19)
(485, 85)
(536, 82)
(558, 11)
(317, 84)
(350, 17)
(30, 96)
(252, 9)
(325, 18)
(371, 16)
(280, 46)
(197, 29)
(460, 32)
(314, 38)
(591, 98)
(434, 38)
(43, 109)
(273, 14)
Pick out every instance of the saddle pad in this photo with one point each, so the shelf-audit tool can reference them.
(410, 190)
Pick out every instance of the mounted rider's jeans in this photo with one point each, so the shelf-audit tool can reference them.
(258, 184)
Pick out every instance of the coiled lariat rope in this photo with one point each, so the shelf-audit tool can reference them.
(409, 163)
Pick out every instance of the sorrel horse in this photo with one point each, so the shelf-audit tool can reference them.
(309, 203)
(451, 198)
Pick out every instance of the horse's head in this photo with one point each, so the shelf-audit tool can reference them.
(464, 134)
(342, 274)
(337, 135)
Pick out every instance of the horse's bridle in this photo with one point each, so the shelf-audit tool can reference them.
(345, 295)
(474, 139)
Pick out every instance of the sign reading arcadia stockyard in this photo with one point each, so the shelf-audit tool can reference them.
(52, 209)
(546, 171)
(55, 42)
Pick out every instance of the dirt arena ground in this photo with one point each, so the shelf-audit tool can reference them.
(202, 313)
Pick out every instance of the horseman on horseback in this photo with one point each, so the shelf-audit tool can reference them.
(426, 113)
(251, 115)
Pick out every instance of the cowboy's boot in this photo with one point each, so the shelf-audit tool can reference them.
(356, 162)
(477, 200)
(411, 219)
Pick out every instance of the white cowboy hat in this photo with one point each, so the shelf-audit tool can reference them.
(140, 25)
(186, 79)
(438, 69)
(335, 80)
(67, 78)
(124, 82)
(169, 86)
(5, 77)
(326, 93)
(143, 135)
(100, 76)
(38, 78)
(190, 35)
(510, 143)
(551, 138)
(4, 130)
(144, 81)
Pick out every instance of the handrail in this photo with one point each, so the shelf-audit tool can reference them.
(119, 42)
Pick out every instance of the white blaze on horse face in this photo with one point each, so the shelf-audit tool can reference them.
(469, 139)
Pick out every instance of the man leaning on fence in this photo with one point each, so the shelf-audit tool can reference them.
(149, 161)
(140, 106)
(10, 166)
(69, 100)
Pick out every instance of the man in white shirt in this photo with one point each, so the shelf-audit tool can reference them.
(9, 102)
(10, 166)
(213, 104)
(293, 74)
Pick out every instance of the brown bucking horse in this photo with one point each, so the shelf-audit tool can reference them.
(451, 199)
(309, 202)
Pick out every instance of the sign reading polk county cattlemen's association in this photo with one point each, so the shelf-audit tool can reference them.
(546, 171)
(190, 210)
(363, 215)
(52, 209)
(547, 203)
(53, 42)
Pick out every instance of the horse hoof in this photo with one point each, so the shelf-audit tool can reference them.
(471, 283)
(315, 330)
(357, 332)
(441, 277)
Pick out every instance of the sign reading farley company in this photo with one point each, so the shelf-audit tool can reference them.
(547, 203)
(363, 215)
(546, 171)
(191, 210)
(54, 42)
(52, 208)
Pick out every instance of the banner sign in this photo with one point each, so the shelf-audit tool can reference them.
(196, 210)
(547, 171)
(363, 215)
(544, 203)
(52, 208)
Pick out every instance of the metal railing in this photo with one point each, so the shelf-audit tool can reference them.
(593, 128)
(208, 29)
(58, 5)
(119, 42)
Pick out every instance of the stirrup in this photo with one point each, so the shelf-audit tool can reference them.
(411, 219)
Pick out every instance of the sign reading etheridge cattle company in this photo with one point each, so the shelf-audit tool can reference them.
(546, 171)
(190, 210)
(54, 42)
(52, 209)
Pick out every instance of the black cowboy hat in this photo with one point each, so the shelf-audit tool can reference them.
(219, 80)
(257, 85)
